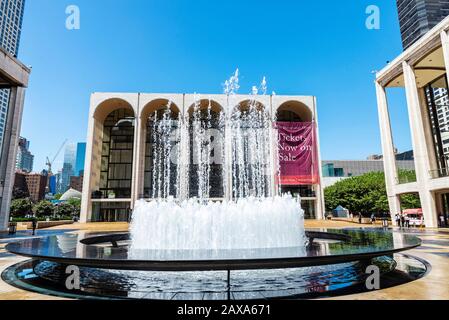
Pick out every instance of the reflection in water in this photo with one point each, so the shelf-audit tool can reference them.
(298, 283)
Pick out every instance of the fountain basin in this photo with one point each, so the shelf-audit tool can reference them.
(112, 251)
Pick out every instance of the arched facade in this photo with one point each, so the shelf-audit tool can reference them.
(133, 114)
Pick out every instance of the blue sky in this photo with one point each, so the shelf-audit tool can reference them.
(319, 48)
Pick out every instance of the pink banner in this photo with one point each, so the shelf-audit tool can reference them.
(298, 156)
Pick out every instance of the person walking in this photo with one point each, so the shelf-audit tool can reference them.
(398, 220)
(34, 225)
(407, 221)
(442, 221)
(402, 221)
(373, 218)
(360, 218)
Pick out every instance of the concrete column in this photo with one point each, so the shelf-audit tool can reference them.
(228, 150)
(394, 203)
(320, 204)
(136, 148)
(184, 158)
(422, 160)
(139, 148)
(85, 215)
(9, 152)
(445, 45)
(390, 168)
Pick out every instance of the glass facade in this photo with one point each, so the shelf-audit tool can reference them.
(161, 138)
(111, 212)
(438, 109)
(417, 17)
(214, 131)
(117, 155)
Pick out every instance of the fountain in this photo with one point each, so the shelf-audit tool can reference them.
(253, 215)
(216, 211)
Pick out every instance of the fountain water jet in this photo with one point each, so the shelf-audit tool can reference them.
(252, 214)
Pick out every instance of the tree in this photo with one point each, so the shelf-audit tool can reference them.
(75, 203)
(57, 196)
(21, 207)
(18, 193)
(366, 194)
(43, 209)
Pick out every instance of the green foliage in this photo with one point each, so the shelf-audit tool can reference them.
(63, 209)
(21, 207)
(18, 193)
(57, 196)
(75, 203)
(43, 209)
(366, 194)
(71, 208)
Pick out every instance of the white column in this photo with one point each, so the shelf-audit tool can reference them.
(422, 160)
(388, 150)
(136, 149)
(86, 202)
(320, 206)
(445, 45)
(228, 150)
(184, 145)
(139, 149)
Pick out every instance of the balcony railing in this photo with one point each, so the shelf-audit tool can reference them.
(405, 179)
(439, 173)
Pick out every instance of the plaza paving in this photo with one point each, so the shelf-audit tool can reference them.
(435, 250)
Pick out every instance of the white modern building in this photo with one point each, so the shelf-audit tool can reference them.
(422, 71)
(118, 162)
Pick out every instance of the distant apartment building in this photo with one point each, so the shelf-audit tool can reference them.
(76, 183)
(24, 159)
(417, 17)
(33, 184)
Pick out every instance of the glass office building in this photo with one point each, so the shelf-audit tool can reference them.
(417, 17)
(11, 17)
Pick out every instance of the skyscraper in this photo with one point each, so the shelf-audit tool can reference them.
(80, 155)
(68, 169)
(417, 17)
(24, 159)
(11, 17)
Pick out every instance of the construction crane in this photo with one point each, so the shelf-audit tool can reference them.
(50, 163)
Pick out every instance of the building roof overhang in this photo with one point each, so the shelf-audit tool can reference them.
(430, 43)
(13, 73)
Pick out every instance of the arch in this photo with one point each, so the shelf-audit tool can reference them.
(117, 153)
(204, 105)
(245, 105)
(294, 111)
(106, 107)
(206, 149)
(159, 105)
(152, 162)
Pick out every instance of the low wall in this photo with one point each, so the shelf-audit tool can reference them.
(42, 224)
(356, 220)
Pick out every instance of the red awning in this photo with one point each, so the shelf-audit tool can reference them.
(413, 211)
